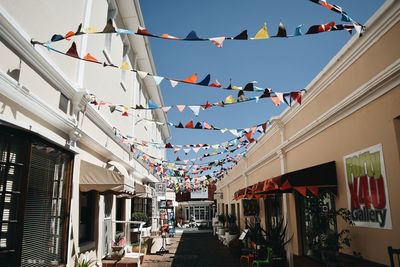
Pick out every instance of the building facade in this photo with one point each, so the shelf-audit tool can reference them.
(339, 149)
(66, 173)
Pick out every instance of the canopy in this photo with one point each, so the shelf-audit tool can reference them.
(309, 179)
(143, 191)
(93, 177)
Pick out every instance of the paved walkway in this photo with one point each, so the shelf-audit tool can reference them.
(193, 249)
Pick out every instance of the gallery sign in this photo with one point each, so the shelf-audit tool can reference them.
(161, 189)
(366, 185)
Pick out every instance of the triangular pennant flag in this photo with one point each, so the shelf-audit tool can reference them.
(275, 100)
(90, 30)
(218, 41)
(280, 97)
(206, 126)
(195, 109)
(57, 37)
(287, 99)
(196, 149)
(262, 33)
(152, 104)
(206, 105)
(241, 96)
(166, 109)
(124, 31)
(181, 107)
(177, 159)
(198, 125)
(345, 17)
(358, 28)
(142, 74)
(176, 149)
(205, 81)
(257, 98)
(264, 126)
(313, 189)
(216, 84)
(302, 190)
(143, 31)
(321, 28)
(229, 100)
(112, 108)
(180, 125)
(248, 136)
(241, 36)
(125, 113)
(109, 28)
(72, 51)
(296, 96)
(158, 79)
(297, 31)
(281, 30)
(124, 65)
(90, 58)
(234, 132)
(167, 36)
(68, 35)
(173, 83)
(267, 93)
(186, 150)
(192, 36)
(189, 125)
(168, 145)
(249, 87)
(191, 79)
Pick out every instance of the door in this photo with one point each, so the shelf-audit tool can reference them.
(13, 186)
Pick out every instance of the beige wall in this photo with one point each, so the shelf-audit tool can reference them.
(332, 123)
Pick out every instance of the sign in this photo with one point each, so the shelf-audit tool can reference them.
(161, 189)
(243, 234)
(200, 194)
(367, 192)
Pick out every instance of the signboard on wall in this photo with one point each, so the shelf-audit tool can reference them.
(200, 194)
(161, 189)
(366, 185)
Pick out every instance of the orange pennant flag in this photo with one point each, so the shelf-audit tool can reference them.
(189, 125)
(191, 79)
(90, 58)
(68, 35)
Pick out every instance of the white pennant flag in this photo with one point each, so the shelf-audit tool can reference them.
(234, 132)
(187, 150)
(173, 83)
(358, 28)
(195, 109)
(257, 99)
(166, 109)
(196, 149)
(223, 130)
(218, 41)
(280, 97)
(158, 79)
(180, 107)
(142, 74)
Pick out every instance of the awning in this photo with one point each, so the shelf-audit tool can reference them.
(143, 191)
(305, 180)
(93, 177)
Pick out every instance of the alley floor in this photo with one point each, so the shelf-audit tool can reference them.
(193, 249)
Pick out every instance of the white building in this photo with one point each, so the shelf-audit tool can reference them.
(59, 154)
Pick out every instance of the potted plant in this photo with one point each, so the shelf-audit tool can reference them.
(118, 247)
(232, 226)
(222, 219)
(84, 262)
(256, 233)
(276, 239)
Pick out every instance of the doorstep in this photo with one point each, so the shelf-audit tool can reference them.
(124, 262)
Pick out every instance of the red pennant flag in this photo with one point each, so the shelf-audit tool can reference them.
(248, 136)
(72, 51)
(125, 114)
(296, 96)
(206, 105)
(189, 125)
(313, 189)
(264, 126)
(143, 31)
(302, 190)
(191, 79)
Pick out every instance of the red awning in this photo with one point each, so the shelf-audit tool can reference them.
(305, 180)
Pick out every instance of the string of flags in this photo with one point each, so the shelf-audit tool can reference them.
(192, 79)
(276, 97)
(261, 34)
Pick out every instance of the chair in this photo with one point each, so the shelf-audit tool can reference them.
(394, 253)
(247, 258)
(258, 263)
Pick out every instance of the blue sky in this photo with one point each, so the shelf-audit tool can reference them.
(280, 63)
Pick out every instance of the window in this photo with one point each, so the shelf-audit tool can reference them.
(273, 209)
(317, 215)
(64, 103)
(35, 180)
(120, 216)
(238, 214)
(201, 213)
(86, 217)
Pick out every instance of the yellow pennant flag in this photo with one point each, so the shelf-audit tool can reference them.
(90, 30)
(262, 33)
(229, 100)
(124, 66)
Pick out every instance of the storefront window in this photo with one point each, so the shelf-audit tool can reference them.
(273, 209)
(200, 213)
